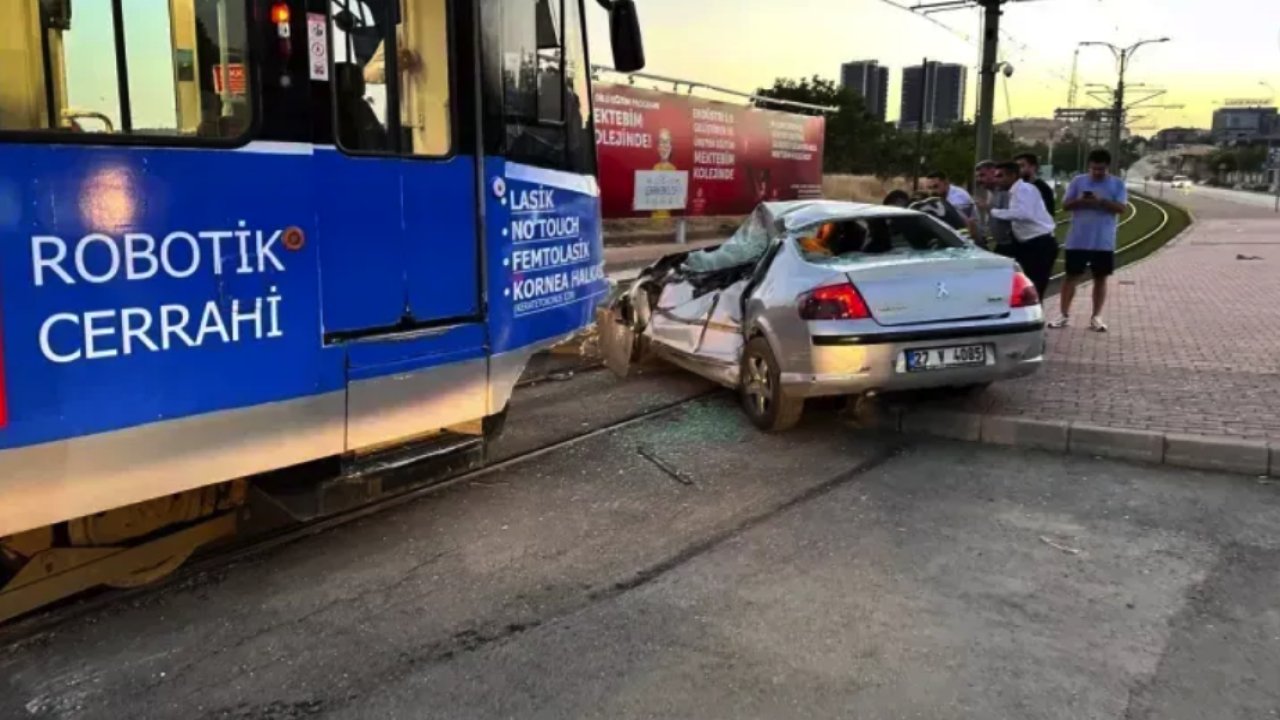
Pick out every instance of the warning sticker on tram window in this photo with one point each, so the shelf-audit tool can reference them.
(234, 79)
(318, 46)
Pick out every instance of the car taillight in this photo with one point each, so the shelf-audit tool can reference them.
(833, 302)
(1024, 292)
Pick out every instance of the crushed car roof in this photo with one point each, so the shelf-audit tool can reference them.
(799, 214)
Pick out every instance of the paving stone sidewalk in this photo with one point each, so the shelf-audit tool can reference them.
(1193, 352)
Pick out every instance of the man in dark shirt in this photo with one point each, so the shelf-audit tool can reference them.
(935, 203)
(1029, 168)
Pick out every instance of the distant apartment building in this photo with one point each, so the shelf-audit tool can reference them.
(1032, 130)
(870, 82)
(943, 94)
(1170, 138)
(1233, 125)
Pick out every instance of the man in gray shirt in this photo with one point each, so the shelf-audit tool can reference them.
(988, 192)
(1001, 230)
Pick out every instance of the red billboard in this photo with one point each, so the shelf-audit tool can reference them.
(729, 157)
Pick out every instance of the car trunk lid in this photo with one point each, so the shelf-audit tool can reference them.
(935, 287)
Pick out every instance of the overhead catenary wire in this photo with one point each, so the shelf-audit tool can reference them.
(957, 33)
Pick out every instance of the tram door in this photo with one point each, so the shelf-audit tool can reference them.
(397, 197)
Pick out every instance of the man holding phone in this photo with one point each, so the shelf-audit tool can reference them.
(1095, 201)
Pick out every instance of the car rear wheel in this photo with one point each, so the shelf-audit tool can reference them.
(763, 399)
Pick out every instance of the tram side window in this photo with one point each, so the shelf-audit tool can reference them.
(366, 50)
(545, 84)
(176, 68)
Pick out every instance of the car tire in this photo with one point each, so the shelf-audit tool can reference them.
(760, 388)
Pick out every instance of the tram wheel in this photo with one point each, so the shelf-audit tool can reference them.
(123, 548)
(60, 572)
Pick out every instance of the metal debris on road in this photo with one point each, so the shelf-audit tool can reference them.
(673, 473)
(1058, 546)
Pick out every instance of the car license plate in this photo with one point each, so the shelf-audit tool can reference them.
(946, 357)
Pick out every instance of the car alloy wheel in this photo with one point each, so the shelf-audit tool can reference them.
(757, 388)
(763, 398)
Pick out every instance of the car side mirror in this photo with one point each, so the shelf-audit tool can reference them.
(625, 36)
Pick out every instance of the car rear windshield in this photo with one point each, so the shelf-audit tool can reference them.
(877, 236)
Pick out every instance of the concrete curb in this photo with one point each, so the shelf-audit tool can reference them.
(1239, 456)
(1200, 452)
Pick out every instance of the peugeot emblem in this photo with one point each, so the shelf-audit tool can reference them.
(943, 293)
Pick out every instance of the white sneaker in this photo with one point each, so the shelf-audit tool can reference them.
(1061, 322)
(1097, 325)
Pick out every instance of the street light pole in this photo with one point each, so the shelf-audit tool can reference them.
(1117, 113)
(1123, 56)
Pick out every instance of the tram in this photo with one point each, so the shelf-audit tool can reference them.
(266, 253)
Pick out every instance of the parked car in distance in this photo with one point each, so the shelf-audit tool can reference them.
(823, 298)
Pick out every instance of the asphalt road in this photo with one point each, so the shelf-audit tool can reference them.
(686, 566)
(1213, 203)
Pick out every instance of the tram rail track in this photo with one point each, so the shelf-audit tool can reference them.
(20, 630)
(28, 628)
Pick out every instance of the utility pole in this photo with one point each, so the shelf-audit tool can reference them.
(924, 98)
(990, 63)
(987, 88)
(1122, 56)
(1117, 115)
(1074, 86)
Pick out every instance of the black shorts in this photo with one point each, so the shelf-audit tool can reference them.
(1101, 262)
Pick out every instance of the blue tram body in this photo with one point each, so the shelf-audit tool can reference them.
(180, 312)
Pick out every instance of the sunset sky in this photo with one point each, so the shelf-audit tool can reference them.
(1220, 49)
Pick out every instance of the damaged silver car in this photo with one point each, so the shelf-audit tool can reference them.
(823, 298)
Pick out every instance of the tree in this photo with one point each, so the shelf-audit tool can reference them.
(1246, 159)
(1252, 158)
(1224, 160)
(857, 143)
(813, 91)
